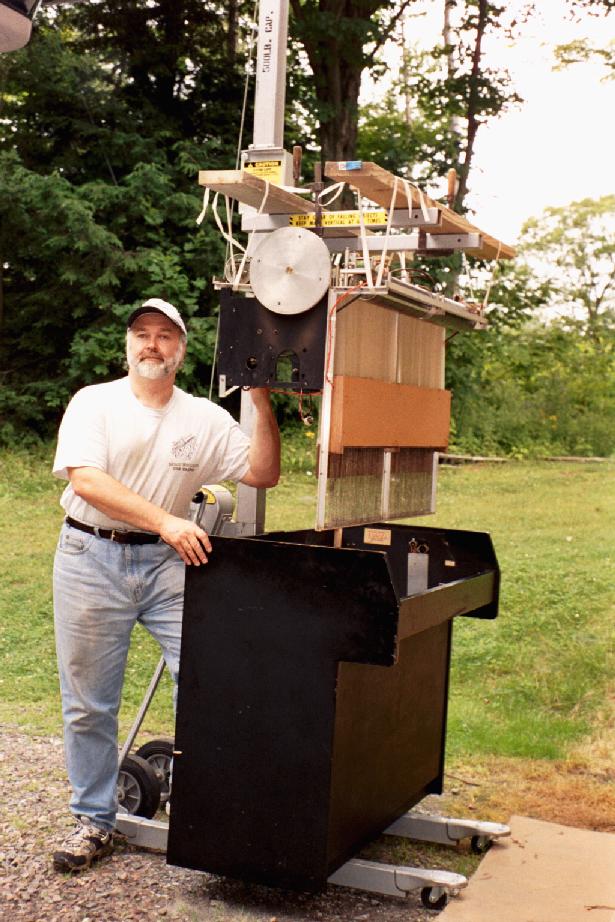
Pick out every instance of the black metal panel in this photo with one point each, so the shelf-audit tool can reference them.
(312, 705)
(454, 554)
(257, 347)
(264, 627)
(25, 7)
(389, 740)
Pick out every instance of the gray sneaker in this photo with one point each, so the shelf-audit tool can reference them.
(85, 844)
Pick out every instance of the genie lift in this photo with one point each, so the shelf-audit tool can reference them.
(314, 675)
(313, 689)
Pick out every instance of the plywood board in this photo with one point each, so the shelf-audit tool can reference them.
(366, 412)
(250, 190)
(376, 184)
(546, 872)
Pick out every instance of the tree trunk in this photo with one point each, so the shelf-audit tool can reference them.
(335, 35)
(447, 37)
(473, 104)
(405, 74)
(231, 35)
(337, 91)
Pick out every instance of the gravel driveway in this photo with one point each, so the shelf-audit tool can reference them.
(134, 885)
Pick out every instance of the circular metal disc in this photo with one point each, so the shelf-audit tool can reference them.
(290, 271)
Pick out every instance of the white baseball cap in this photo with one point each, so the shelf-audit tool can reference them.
(158, 306)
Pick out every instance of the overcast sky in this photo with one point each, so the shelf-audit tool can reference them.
(559, 146)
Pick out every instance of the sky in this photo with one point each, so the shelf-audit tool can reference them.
(559, 145)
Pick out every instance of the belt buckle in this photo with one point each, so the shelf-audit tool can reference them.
(112, 535)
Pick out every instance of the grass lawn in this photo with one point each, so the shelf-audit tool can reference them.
(532, 684)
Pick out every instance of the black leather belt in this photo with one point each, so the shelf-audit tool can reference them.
(122, 537)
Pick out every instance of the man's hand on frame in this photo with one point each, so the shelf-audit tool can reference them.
(190, 541)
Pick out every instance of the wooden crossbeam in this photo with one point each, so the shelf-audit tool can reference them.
(250, 190)
(376, 184)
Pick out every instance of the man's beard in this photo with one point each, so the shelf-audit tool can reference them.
(155, 370)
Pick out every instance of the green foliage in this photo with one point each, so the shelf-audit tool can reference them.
(541, 380)
(421, 128)
(111, 110)
(573, 249)
(527, 684)
(108, 115)
(580, 51)
(539, 390)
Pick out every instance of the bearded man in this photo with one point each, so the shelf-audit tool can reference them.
(134, 452)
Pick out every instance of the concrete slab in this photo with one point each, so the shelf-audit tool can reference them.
(544, 873)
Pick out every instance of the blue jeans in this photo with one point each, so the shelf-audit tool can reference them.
(101, 589)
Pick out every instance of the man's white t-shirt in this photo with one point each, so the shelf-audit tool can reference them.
(163, 455)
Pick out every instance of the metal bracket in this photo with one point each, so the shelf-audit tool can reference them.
(394, 880)
(443, 830)
(397, 880)
(223, 390)
(401, 218)
(396, 242)
(143, 833)
(371, 876)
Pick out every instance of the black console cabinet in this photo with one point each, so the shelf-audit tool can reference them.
(313, 695)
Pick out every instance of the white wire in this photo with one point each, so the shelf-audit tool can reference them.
(201, 217)
(386, 235)
(366, 258)
(246, 84)
(423, 205)
(228, 237)
(237, 278)
(335, 191)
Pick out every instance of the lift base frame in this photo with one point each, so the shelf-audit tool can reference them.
(371, 876)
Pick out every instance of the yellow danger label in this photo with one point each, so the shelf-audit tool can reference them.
(377, 536)
(338, 219)
(266, 169)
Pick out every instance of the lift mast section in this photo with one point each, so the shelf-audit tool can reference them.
(270, 75)
(268, 136)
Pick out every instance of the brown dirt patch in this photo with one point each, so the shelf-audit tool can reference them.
(571, 793)
(578, 791)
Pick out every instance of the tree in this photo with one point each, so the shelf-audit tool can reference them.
(448, 92)
(581, 51)
(341, 38)
(573, 249)
(541, 380)
(106, 118)
(592, 6)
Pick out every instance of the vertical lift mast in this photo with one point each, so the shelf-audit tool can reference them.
(279, 715)
(268, 145)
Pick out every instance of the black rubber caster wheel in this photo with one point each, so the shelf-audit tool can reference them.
(138, 789)
(159, 754)
(480, 845)
(434, 898)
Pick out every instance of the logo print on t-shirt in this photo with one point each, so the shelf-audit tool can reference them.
(183, 449)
